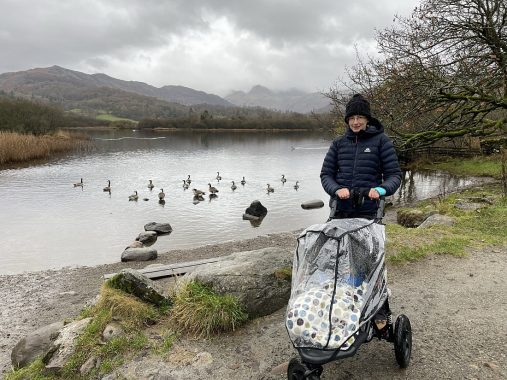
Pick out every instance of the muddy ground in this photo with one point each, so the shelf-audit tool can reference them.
(457, 307)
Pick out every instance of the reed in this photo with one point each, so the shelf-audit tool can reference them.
(18, 147)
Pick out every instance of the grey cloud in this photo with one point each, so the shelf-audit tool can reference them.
(105, 35)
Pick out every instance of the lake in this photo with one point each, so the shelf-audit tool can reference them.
(47, 223)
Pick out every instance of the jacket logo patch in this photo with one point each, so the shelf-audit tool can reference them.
(367, 150)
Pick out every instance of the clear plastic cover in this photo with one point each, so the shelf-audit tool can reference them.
(334, 278)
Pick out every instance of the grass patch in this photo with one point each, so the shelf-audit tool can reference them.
(113, 305)
(474, 229)
(283, 274)
(200, 311)
(481, 166)
(109, 117)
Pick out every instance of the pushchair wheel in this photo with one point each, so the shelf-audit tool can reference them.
(299, 371)
(402, 341)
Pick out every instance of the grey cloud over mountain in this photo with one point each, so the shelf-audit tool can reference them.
(213, 45)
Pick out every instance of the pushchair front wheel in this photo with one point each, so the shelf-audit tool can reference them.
(402, 341)
(299, 371)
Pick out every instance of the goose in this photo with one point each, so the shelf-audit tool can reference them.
(188, 180)
(108, 187)
(212, 189)
(233, 187)
(243, 181)
(185, 184)
(161, 195)
(134, 197)
(218, 176)
(79, 184)
(198, 193)
(283, 178)
(270, 189)
(296, 186)
(151, 185)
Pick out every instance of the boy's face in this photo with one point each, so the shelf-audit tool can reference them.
(358, 123)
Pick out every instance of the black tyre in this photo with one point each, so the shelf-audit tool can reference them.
(299, 371)
(403, 341)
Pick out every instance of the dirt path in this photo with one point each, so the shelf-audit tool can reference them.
(457, 307)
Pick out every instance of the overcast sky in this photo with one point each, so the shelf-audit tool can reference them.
(211, 45)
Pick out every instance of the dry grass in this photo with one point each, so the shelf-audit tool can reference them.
(17, 147)
(200, 311)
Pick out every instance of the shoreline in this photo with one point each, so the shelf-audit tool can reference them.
(35, 299)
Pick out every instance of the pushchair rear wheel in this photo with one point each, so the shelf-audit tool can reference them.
(299, 371)
(403, 341)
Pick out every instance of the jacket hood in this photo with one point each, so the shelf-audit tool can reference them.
(373, 128)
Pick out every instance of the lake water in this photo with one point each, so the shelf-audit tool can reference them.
(47, 223)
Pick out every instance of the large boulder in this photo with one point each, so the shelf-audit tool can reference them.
(256, 209)
(139, 254)
(34, 345)
(259, 279)
(147, 238)
(411, 217)
(437, 219)
(137, 284)
(159, 228)
(65, 345)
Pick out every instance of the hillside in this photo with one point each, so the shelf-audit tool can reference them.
(292, 100)
(48, 82)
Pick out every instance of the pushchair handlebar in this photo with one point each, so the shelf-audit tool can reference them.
(357, 196)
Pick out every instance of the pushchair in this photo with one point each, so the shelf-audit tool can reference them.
(339, 296)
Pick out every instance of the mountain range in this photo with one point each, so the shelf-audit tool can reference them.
(95, 92)
(291, 100)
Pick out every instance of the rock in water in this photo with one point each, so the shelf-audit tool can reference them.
(159, 228)
(139, 254)
(147, 238)
(256, 209)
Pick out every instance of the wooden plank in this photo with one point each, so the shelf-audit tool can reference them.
(172, 269)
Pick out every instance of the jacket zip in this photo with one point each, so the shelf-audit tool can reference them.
(354, 168)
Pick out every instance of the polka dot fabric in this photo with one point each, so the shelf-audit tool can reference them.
(308, 317)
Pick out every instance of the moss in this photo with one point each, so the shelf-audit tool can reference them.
(283, 274)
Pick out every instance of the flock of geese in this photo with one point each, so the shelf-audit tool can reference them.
(198, 194)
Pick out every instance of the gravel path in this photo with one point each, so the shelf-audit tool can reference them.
(457, 307)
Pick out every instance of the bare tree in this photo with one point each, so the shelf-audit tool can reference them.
(442, 75)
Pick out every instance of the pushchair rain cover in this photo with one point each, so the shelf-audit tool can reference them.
(338, 281)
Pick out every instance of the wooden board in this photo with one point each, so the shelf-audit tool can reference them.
(172, 269)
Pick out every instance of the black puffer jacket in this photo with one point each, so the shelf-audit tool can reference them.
(363, 160)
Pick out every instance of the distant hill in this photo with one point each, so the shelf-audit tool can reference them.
(292, 100)
(54, 81)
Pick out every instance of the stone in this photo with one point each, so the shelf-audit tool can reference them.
(469, 206)
(147, 238)
(88, 365)
(316, 203)
(437, 219)
(280, 369)
(65, 345)
(135, 244)
(411, 217)
(137, 284)
(251, 277)
(34, 345)
(139, 254)
(159, 228)
(256, 209)
(112, 330)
